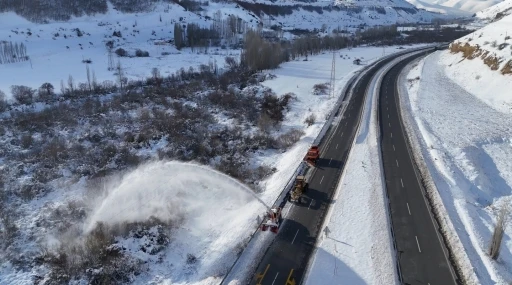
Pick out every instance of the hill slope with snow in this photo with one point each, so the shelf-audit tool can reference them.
(456, 7)
(497, 11)
(482, 63)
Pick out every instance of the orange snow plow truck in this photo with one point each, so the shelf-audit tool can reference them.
(312, 156)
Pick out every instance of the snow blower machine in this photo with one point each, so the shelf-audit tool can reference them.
(273, 220)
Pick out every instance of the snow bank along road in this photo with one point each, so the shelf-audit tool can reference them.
(287, 257)
(423, 258)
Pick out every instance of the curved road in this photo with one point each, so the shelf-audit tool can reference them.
(286, 260)
(422, 255)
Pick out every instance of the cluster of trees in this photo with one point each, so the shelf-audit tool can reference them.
(223, 30)
(259, 54)
(194, 36)
(10, 53)
(381, 33)
(63, 10)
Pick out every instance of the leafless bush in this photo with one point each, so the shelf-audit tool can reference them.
(95, 257)
(26, 141)
(22, 94)
(8, 229)
(310, 120)
(320, 89)
(499, 229)
(289, 138)
(141, 53)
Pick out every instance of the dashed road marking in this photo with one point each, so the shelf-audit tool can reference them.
(389, 124)
(397, 163)
(401, 181)
(418, 243)
(391, 134)
(321, 179)
(408, 209)
(330, 160)
(394, 148)
(295, 236)
(310, 204)
(275, 278)
(286, 215)
(336, 146)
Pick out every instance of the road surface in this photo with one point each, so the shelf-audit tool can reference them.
(422, 254)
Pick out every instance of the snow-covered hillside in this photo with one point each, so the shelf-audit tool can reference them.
(481, 63)
(438, 8)
(501, 9)
(455, 6)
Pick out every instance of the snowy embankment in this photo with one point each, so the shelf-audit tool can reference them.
(465, 142)
(356, 246)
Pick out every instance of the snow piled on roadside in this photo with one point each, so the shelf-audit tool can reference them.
(356, 245)
(466, 145)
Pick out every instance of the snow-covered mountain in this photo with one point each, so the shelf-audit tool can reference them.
(456, 7)
(293, 13)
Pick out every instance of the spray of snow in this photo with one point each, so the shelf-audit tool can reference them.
(173, 190)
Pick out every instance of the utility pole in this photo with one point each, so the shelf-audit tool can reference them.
(333, 74)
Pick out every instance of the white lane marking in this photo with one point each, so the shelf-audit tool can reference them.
(336, 146)
(397, 163)
(275, 278)
(295, 236)
(418, 243)
(310, 204)
(341, 133)
(393, 147)
(389, 124)
(286, 215)
(321, 180)
(408, 209)
(401, 181)
(330, 160)
(388, 116)
(391, 134)
(346, 123)
(387, 108)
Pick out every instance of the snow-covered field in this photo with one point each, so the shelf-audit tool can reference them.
(56, 51)
(54, 58)
(465, 137)
(356, 246)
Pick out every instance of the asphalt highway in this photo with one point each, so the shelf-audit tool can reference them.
(423, 257)
(287, 257)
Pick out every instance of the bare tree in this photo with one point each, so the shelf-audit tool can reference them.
(22, 94)
(499, 229)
